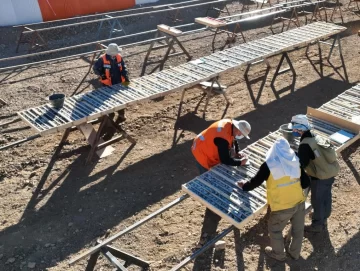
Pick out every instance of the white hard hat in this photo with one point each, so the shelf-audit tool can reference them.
(113, 49)
(300, 122)
(243, 126)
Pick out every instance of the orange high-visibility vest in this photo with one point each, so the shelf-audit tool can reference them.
(107, 67)
(204, 149)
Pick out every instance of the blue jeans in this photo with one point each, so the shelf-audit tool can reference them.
(321, 200)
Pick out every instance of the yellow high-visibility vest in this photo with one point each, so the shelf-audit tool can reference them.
(284, 193)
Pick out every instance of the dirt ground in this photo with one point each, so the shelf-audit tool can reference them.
(53, 208)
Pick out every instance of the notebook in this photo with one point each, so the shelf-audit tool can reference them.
(341, 136)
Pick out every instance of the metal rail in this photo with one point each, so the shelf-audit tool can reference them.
(127, 230)
(93, 43)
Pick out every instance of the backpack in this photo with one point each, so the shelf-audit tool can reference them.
(325, 165)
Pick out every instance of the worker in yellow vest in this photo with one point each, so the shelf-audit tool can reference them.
(285, 181)
(111, 69)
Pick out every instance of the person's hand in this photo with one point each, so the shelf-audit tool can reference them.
(243, 162)
(240, 184)
(103, 76)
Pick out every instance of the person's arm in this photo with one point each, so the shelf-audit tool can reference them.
(224, 155)
(98, 67)
(261, 176)
(305, 154)
(124, 71)
(304, 179)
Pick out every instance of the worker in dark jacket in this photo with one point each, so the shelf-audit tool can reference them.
(285, 181)
(112, 70)
(321, 198)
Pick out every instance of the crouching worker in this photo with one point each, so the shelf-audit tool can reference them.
(111, 69)
(285, 181)
(212, 147)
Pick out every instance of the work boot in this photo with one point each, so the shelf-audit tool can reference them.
(314, 228)
(121, 117)
(269, 251)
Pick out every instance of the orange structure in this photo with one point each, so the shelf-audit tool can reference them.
(60, 9)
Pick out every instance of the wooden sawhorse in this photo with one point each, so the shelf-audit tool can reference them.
(98, 145)
(170, 35)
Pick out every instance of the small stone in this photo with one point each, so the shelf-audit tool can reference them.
(11, 260)
(47, 245)
(115, 191)
(315, 268)
(150, 194)
(70, 224)
(1, 255)
(220, 245)
(80, 210)
(31, 265)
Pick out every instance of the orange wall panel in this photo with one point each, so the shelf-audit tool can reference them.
(60, 9)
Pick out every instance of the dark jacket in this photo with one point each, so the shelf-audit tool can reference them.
(98, 69)
(264, 173)
(305, 153)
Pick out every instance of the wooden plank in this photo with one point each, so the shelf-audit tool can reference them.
(341, 122)
(90, 134)
(169, 30)
(212, 22)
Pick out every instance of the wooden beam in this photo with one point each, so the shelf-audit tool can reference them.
(344, 123)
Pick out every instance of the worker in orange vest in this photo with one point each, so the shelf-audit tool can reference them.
(214, 146)
(112, 70)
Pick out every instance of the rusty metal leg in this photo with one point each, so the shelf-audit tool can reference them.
(180, 105)
(189, 57)
(19, 41)
(337, 40)
(62, 141)
(171, 46)
(214, 39)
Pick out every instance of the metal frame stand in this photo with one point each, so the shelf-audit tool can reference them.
(211, 92)
(35, 40)
(357, 5)
(278, 72)
(336, 7)
(231, 36)
(95, 251)
(112, 23)
(170, 41)
(220, 11)
(336, 43)
(250, 82)
(111, 254)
